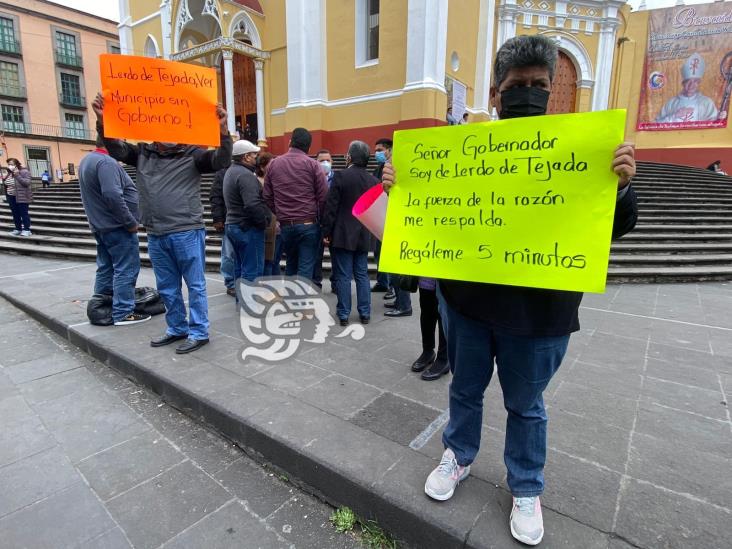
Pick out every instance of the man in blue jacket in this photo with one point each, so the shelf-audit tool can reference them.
(169, 179)
(110, 201)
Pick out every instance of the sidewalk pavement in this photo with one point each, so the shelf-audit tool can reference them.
(640, 435)
(90, 460)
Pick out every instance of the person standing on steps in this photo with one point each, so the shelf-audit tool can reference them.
(382, 155)
(111, 204)
(19, 191)
(524, 332)
(218, 211)
(433, 366)
(169, 180)
(46, 179)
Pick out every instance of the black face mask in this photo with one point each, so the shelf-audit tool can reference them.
(526, 101)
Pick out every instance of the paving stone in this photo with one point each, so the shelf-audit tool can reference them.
(7, 387)
(291, 376)
(595, 405)
(210, 451)
(59, 385)
(125, 465)
(339, 395)
(681, 335)
(434, 394)
(156, 511)
(22, 433)
(697, 432)
(692, 399)
(650, 517)
(395, 418)
(588, 494)
(721, 342)
(610, 379)
(261, 490)
(304, 522)
(90, 424)
(68, 518)
(231, 527)
(689, 357)
(34, 478)
(683, 373)
(492, 531)
(603, 349)
(114, 539)
(204, 378)
(583, 438)
(665, 462)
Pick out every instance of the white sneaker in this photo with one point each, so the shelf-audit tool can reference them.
(527, 524)
(25, 233)
(442, 481)
(14, 232)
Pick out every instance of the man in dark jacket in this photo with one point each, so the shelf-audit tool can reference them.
(247, 216)
(349, 240)
(111, 204)
(525, 331)
(228, 268)
(169, 180)
(384, 283)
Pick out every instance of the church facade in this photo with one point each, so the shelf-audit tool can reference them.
(361, 69)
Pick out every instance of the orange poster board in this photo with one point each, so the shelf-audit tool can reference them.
(155, 100)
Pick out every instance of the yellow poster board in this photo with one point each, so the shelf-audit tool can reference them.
(522, 202)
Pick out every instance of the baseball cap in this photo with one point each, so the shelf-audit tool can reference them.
(243, 147)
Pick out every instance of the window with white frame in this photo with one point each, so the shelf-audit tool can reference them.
(367, 32)
(75, 127)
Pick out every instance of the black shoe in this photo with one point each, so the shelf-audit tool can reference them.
(389, 305)
(365, 319)
(397, 312)
(231, 292)
(132, 318)
(438, 369)
(424, 360)
(379, 288)
(166, 340)
(391, 294)
(344, 321)
(190, 345)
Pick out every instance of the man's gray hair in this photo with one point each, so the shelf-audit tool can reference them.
(524, 51)
(359, 153)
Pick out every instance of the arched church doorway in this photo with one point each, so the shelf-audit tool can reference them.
(564, 87)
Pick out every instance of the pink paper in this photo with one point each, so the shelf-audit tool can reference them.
(370, 210)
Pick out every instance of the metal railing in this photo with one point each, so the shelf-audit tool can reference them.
(68, 60)
(9, 45)
(44, 130)
(11, 89)
(72, 100)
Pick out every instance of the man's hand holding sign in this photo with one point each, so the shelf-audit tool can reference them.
(524, 202)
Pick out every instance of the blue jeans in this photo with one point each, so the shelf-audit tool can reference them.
(403, 298)
(229, 268)
(21, 218)
(248, 250)
(525, 367)
(300, 243)
(118, 264)
(348, 265)
(177, 256)
(272, 268)
(382, 279)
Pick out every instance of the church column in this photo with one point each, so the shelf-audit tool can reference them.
(125, 28)
(507, 14)
(259, 79)
(484, 56)
(604, 65)
(426, 44)
(228, 57)
(166, 21)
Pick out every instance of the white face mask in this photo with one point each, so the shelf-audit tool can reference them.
(326, 166)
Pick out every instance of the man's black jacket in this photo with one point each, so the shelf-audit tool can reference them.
(216, 197)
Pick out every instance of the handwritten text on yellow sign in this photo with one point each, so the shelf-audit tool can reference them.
(523, 202)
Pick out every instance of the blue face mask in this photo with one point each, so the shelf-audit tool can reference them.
(380, 157)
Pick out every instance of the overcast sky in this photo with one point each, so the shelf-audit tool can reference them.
(110, 8)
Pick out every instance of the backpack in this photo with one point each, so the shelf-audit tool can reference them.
(147, 302)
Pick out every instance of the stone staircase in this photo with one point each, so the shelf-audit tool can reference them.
(684, 231)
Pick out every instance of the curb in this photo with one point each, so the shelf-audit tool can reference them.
(405, 516)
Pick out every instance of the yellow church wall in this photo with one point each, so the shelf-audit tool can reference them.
(142, 31)
(462, 38)
(347, 80)
(143, 8)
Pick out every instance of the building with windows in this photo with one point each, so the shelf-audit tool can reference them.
(49, 74)
(364, 68)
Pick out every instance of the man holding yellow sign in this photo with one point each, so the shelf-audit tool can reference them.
(516, 219)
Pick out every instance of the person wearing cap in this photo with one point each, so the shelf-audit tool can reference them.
(690, 105)
(247, 216)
